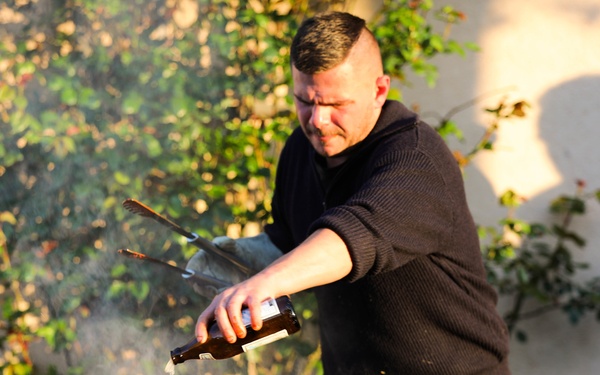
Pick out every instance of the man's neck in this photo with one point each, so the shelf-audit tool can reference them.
(336, 161)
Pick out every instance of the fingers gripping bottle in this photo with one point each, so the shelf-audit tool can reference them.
(279, 321)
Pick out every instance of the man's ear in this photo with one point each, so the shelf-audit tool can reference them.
(382, 85)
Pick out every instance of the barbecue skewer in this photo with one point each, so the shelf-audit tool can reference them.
(137, 207)
(185, 273)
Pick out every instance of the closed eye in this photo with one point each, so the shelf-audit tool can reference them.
(325, 104)
(303, 101)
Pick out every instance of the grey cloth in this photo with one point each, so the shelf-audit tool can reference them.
(258, 252)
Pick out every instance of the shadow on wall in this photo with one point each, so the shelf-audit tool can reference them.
(586, 13)
(569, 125)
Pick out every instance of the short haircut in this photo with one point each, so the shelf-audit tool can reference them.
(324, 41)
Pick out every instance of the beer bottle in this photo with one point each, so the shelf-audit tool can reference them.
(279, 321)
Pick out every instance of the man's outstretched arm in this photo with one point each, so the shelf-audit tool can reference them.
(321, 259)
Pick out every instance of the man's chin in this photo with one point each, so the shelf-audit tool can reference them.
(330, 153)
(324, 150)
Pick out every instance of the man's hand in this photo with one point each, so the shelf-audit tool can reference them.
(258, 252)
(226, 309)
(321, 259)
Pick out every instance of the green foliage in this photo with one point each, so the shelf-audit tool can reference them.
(14, 332)
(535, 262)
(185, 105)
(99, 102)
(531, 264)
(408, 38)
(504, 111)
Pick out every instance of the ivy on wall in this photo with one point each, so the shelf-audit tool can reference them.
(184, 104)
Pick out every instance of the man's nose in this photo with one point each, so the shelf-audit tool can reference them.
(321, 115)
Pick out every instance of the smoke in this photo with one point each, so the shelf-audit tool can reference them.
(119, 334)
(85, 131)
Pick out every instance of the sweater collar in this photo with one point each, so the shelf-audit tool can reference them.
(394, 117)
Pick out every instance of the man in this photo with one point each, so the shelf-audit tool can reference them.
(369, 210)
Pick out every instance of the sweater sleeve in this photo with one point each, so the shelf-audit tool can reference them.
(402, 210)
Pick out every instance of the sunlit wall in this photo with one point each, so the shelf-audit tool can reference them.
(546, 52)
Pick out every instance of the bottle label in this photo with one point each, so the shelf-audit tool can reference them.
(267, 309)
(265, 340)
(206, 356)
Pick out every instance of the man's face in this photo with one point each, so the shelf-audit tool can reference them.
(338, 108)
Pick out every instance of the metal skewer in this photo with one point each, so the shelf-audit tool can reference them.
(186, 273)
(141, 209)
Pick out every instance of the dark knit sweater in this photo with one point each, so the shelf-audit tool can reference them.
(416, 300)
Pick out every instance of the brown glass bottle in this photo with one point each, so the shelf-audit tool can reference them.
(279, 321)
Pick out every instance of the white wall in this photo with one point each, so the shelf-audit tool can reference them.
(546, 52)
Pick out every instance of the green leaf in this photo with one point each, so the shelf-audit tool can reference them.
(26, 67)
(510, 199)
(49, 118)
(449, 127)
(7, 217)
(537, 230)
(7, 93)
(180, 106)
(455, 47)
(153, 146)
(518, 226)
(564, 204)
(21, 369)
(140, 290)
(7, 308)
(109, 202)
(118, 270)
(88, 98)
(116, 289)
(472, 46)
(48, 333)
(522, 275)
(56, 83)
(69, 96)
(132, 103)
(437, 43)
(64, 146)
(395, 94)
(121, 178)
(126, 57)
(20, 102)
(562, 232)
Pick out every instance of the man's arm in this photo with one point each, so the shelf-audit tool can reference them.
(321, 259)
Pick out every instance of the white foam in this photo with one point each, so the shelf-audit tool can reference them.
(170, 367)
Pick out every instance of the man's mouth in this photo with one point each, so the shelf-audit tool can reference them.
(323, 135)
